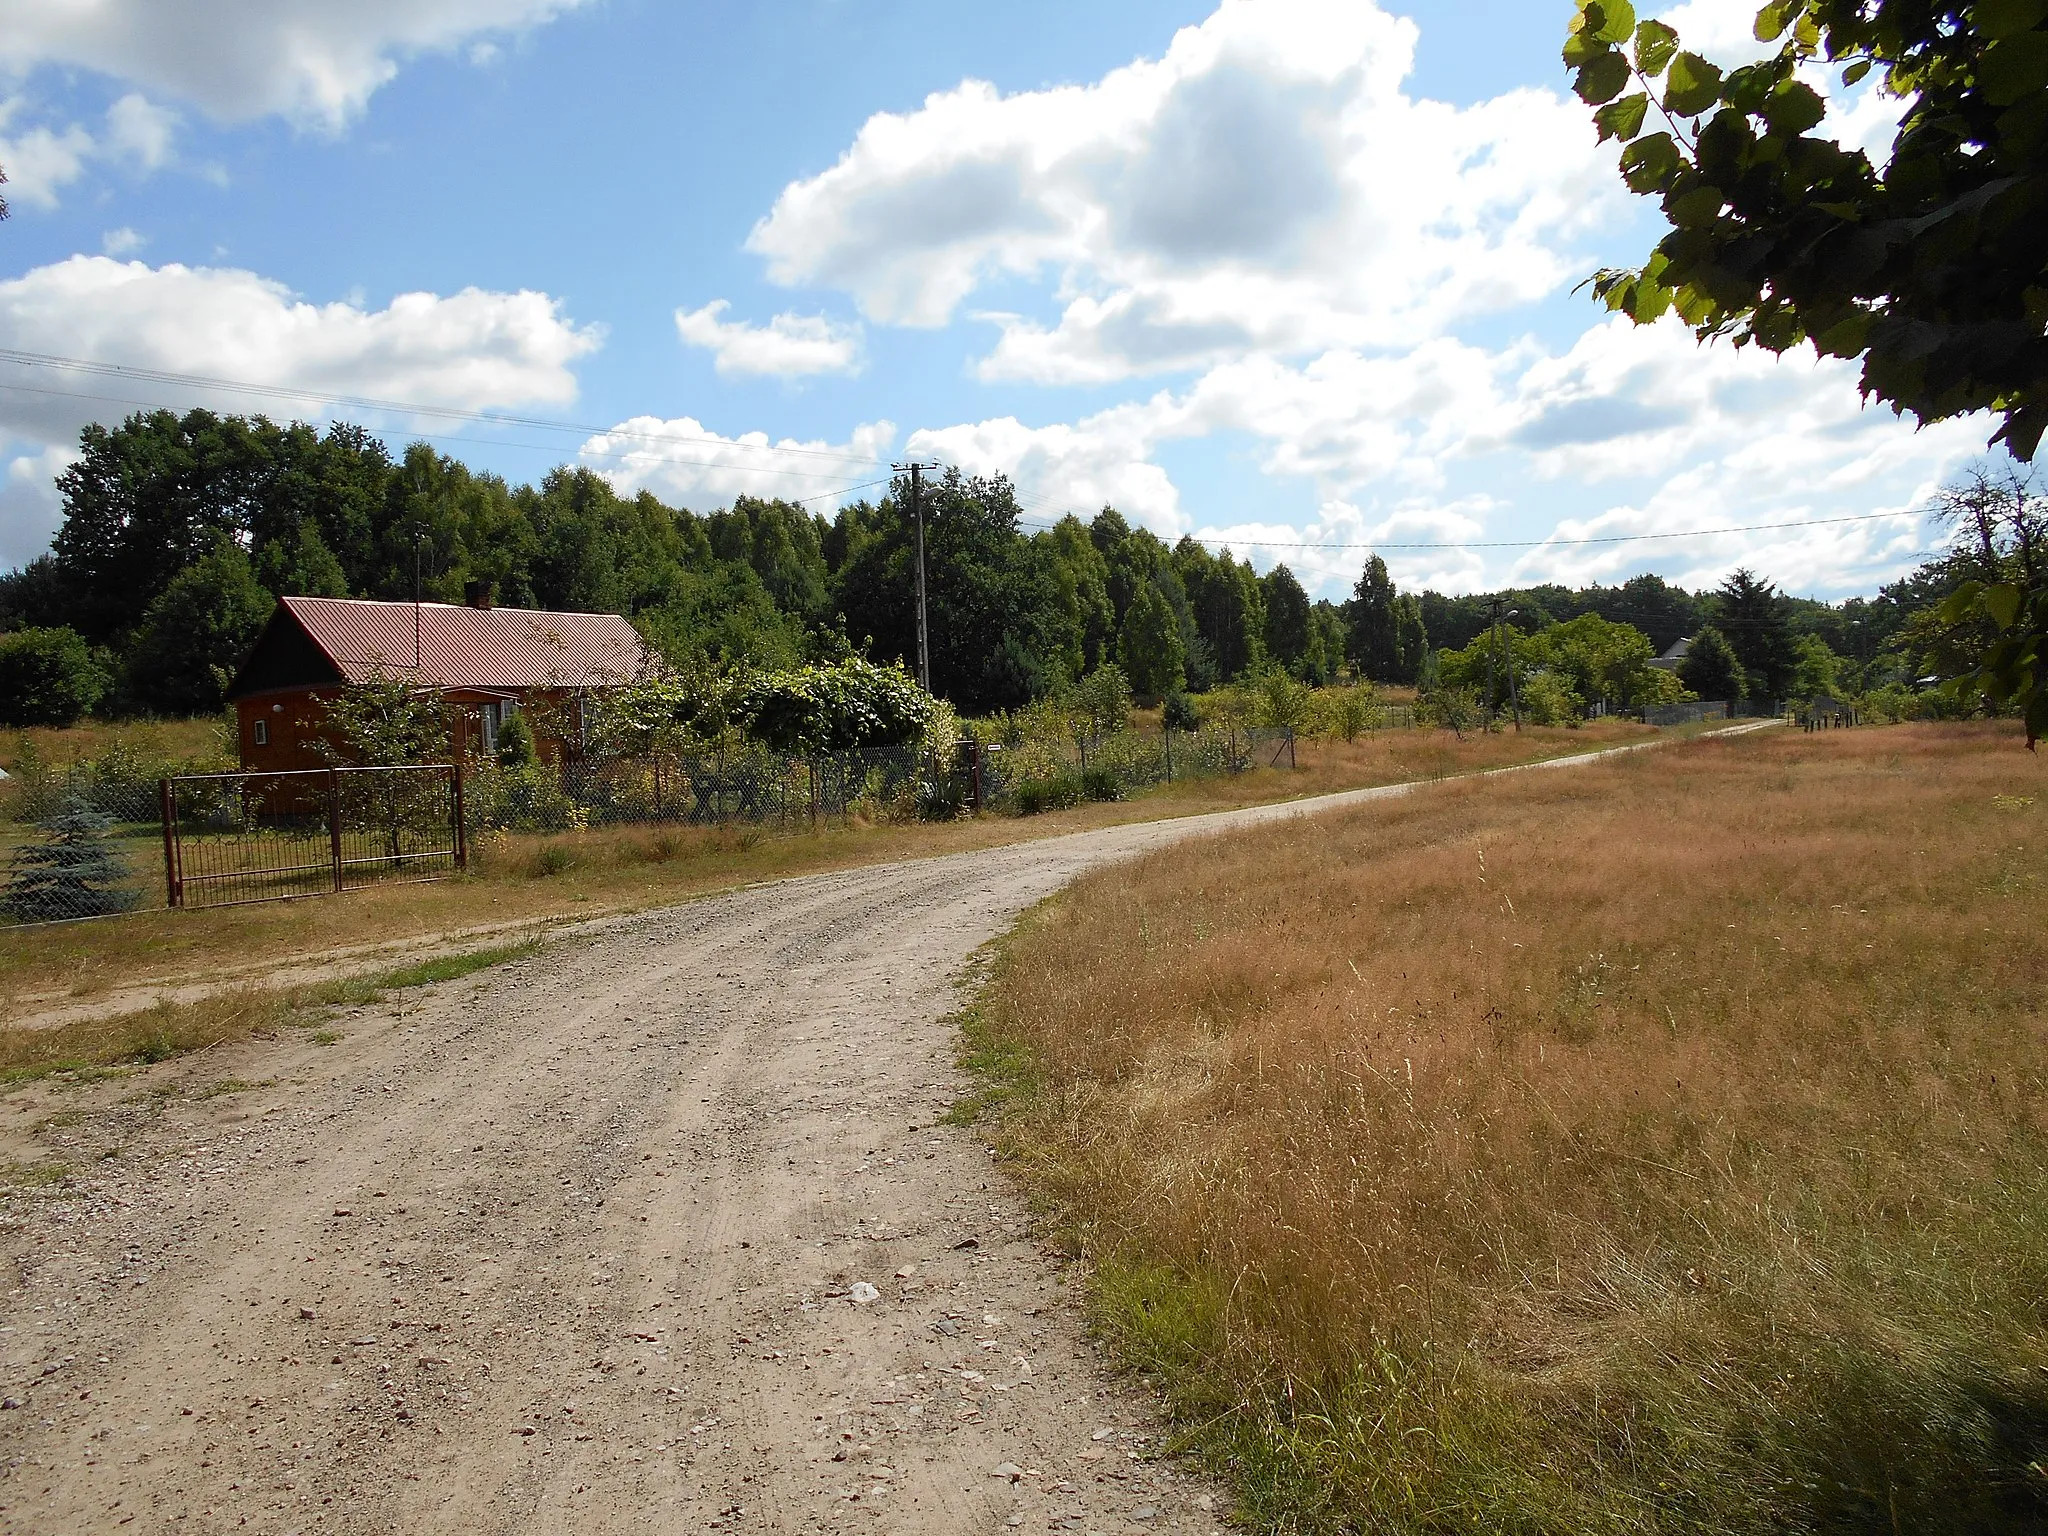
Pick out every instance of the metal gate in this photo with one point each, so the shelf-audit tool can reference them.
(232, 838)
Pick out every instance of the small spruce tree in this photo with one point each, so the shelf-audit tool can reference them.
(71, 873)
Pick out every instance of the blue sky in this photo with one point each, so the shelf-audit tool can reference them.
(1292, 275)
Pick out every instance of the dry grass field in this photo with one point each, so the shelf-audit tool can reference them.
(531, 879)
(1658, 1147)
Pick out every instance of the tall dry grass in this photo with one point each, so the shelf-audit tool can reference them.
(1658, 1146)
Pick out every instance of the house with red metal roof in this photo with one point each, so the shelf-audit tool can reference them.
(488, 663)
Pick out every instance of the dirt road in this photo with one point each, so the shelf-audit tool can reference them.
(651, 1231)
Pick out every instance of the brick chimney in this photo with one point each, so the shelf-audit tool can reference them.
(480, 594)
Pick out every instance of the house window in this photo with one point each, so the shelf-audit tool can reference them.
(490, 722)
(261, 731)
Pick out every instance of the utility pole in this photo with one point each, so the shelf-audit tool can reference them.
(924, 646)
(1501, 640)
(1492, 645)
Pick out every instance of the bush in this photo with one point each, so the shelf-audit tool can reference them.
(1548, 699)
(1179, 713)
(1101, 784)
(516, 747)
(1034, 796)
(845, 707)
(529, 798)
(47, 677)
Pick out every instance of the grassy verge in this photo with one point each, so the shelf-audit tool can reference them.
(94, 1048)
(525, 879)
(1655, 1148)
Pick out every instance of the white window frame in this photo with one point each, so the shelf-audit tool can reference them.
(260, 731)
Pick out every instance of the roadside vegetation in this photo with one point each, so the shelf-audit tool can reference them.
(1653, 1148)
(93, 1048)
(520, 878)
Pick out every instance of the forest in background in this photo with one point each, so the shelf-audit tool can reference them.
(180, 531)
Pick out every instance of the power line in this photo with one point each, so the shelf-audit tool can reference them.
(401, 407)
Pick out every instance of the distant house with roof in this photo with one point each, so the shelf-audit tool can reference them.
(1676, 654)
(488, 663)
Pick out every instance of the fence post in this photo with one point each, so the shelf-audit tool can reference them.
(334, 823)
(461, 820)
(1290, 748)
(1169, 754)
(167, 809)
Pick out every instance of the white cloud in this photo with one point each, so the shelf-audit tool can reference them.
(472, 349)
(1691, 437)
(29, 509)
(309, 60)
(141, 131)
(1264, 186)
(122, 242)
(789, 346)
(687, 464)
(1101, 461)
(41, 160)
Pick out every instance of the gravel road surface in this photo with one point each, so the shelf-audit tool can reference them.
(648, 1232)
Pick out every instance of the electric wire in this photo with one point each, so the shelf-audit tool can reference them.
(491, 418)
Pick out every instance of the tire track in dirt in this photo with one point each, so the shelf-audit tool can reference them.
(650, 1231)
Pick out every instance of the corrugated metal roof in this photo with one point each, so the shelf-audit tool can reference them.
(471, 647)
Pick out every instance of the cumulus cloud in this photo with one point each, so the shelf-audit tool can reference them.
(789, 346)
(29, 509)
(1101, 461)
(472, 350)
(1266, 185)
(1642, 428)
(308, 60)
(687, 464)
(41, 160)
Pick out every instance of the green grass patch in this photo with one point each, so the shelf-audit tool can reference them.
(93, 1049)
(361, 991)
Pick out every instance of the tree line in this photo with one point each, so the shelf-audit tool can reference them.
(179, 531)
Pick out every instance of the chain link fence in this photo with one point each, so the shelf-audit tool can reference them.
(85, 840)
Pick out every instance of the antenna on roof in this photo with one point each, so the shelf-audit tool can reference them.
(419, 538)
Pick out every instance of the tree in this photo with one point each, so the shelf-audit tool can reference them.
(1817, 673)
(71, 873)
(1375, 626)
(1150, 645)
(384, 722)
(1750, 615)
(1103, 700)
(1411, 638)
(1989, 637)
(48, 677)
(1287, 611)
(1599, 659)
(1928, 270)
(197, 632)
(1711, 668)
(1327, 636)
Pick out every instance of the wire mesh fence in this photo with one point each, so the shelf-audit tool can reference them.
(81, 841)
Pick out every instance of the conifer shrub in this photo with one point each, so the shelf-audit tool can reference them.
(72, 872)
